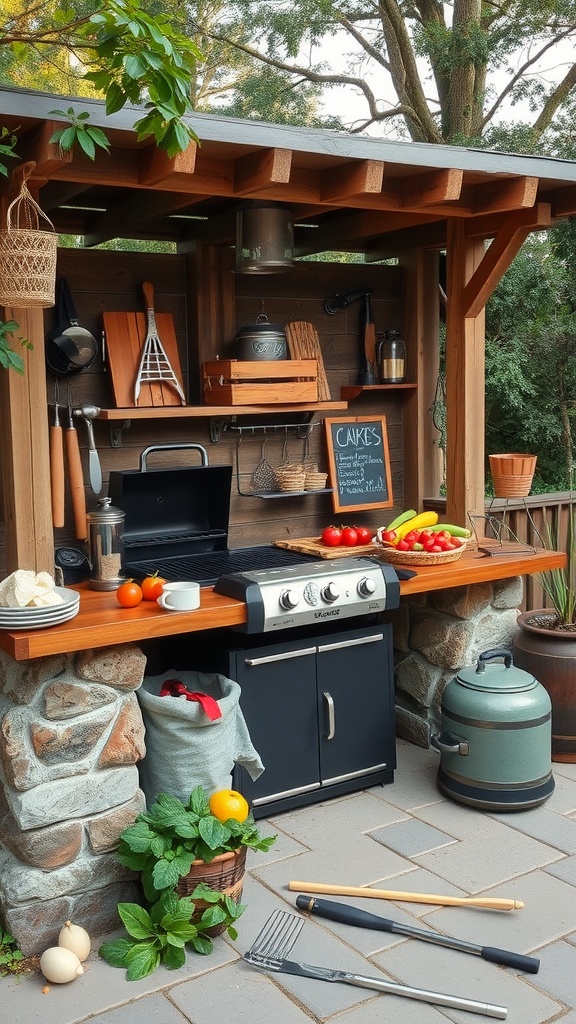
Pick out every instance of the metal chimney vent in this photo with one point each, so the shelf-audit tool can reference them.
(264, 240)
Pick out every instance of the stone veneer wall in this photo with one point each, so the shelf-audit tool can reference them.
(436, 634)
(71, 733)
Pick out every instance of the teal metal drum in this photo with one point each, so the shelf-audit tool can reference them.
(496, 737)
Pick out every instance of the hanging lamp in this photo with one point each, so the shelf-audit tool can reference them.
(264, 239)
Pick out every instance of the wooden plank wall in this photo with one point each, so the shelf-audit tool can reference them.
(108, 281)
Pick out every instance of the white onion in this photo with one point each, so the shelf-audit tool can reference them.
(75, 938)
(60, 965)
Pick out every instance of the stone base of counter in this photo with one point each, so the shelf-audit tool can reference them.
(439, 632)
(71, 733)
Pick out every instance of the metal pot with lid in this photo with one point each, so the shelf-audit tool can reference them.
(495, 743)
(261, 340)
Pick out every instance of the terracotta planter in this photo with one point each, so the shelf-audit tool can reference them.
(550, 655)
(512, 474)
(223, 874)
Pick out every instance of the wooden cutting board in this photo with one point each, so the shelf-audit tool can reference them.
(313, 546)
(304, 343)
(124, 339)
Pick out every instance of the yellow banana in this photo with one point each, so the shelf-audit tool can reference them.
(419, 522)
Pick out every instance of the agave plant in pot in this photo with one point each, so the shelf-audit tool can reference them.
(191, 861)
(546, 642)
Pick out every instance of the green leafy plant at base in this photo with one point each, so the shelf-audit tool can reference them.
(165, 839)
(559, 585)
(160, 935)
(11, 956)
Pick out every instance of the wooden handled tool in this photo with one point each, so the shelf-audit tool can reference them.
(57, 470)
(76, 476)
(489, 903)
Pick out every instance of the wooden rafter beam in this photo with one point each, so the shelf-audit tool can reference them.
(156, 167)
(47, 156)
(259, 170)
(502, 196)
(430, 188)
(499, 255)
(562, 200)
(357, 178)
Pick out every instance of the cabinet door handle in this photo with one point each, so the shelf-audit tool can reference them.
(331, 715)
(342, 644)
(285, 656)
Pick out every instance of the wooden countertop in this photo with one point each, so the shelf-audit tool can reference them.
(101, 622)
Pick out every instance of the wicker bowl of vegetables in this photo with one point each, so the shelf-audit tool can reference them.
(414, 539)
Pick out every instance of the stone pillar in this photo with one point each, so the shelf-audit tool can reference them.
(70, 736)
(437, 633)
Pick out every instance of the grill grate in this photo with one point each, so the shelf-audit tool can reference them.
(206, 569)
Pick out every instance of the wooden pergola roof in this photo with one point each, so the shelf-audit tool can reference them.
(348, 193)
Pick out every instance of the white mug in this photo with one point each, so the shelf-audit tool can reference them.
(180, 597)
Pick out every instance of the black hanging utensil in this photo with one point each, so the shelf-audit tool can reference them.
(69, 348)
(362, 919)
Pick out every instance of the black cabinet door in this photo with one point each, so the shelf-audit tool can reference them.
(355, 704)
(278, 700)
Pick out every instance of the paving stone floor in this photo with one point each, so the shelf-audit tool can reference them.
(407, 837)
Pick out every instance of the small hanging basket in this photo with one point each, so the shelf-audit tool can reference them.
(27, 255)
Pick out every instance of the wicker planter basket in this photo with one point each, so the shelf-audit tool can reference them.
(223, 874)
(512, 474)
(27, 255)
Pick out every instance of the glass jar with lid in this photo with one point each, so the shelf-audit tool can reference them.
(391, 354)
(106, 542)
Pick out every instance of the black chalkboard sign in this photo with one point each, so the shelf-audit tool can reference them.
(359, 461)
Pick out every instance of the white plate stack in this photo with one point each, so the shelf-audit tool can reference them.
(17, 619)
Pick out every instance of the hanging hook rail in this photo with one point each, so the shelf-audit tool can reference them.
(303, 430)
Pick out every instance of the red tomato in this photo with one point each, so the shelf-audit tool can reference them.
(364, 535)
(152, 587)
(412, 537)
(402, 545)
(349, 536)
(389, 536)
(331, 536)
(129, 594)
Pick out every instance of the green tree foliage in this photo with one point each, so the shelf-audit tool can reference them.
(531, 358)
(432, 71)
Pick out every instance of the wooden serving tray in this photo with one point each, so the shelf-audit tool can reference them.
(313, 546)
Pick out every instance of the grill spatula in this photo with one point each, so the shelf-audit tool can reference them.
(278, 937)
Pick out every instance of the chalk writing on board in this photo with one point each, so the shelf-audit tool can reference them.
(359, 463)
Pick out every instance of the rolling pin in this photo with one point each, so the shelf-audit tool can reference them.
(487, 902)
(57, 470)
(76, 477)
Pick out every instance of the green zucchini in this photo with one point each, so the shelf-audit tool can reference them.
(403, 518)
(454, 531)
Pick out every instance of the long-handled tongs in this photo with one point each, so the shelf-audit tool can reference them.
(274, 943)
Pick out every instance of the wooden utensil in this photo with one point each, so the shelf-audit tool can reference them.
(304, 343)
(76, 476)
(57, 468)
(488, 902)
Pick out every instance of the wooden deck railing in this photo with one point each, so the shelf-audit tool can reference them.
(524, 520)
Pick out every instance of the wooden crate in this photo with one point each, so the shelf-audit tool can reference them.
(265, 382)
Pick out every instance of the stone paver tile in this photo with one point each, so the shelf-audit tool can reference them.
(154, 1009)
(564, 768)
(557, 975)
(285, 846)
(239, 995)
(490, 852)
(414, 779)
(100, 988)
(324, 822)
(396, 1010)
(563, 799)
(548, 913)
(415, 881)
(347, 860)
(447, 971)
(411, 837)
(557, 830)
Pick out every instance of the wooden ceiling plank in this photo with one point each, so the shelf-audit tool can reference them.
(501, 196)
(431, 188)
(128, 216)
(500, 254)
(356, 178)
(156, 166)
(258, 170)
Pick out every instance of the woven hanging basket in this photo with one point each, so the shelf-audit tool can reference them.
(27, 255)
(512, 474)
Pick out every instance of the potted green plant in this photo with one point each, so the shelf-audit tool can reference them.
(190, 859)
(545, 644)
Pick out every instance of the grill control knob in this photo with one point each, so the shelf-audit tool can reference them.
(289, 599)
(366, 586)
(330, 593)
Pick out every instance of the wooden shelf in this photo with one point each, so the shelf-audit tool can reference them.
(206, 411)
(351, 391)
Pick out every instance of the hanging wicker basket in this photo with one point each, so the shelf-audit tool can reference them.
(512, 474)
(27, 255)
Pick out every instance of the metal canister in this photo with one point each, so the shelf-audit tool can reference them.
(496, 737)
(106, 541)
